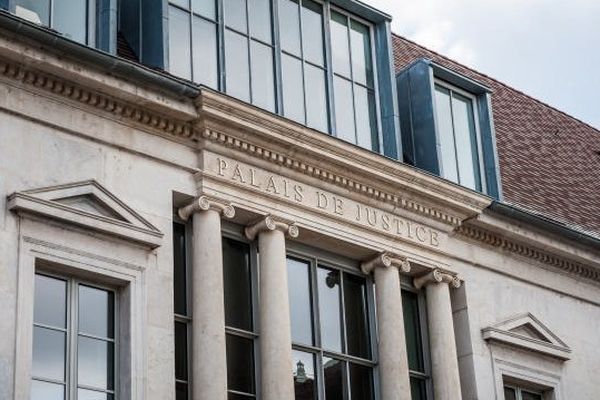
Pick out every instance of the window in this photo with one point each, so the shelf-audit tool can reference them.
(414, 327)
(331, 331)
(447, 126)
(315, 70)
(72, 18)
(458, 135)
(239, 276)
(182, 312)
(74, 343)
(517, 393)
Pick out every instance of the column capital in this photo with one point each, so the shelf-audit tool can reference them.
(205, 203)
(385, 260)
(437, 276)
(271, 223)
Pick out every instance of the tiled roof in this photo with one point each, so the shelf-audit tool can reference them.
(549, 161)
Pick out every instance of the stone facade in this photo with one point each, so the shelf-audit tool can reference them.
(144, 154)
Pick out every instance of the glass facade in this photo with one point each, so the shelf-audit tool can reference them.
(458, 137)
(69, 17)
(74, 341)
(331, 332)
(315, 70)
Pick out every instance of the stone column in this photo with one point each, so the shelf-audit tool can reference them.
(274, 310)
(393, 360)
(209, 358)
(444, 360)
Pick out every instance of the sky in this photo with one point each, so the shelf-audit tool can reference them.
(549, 49)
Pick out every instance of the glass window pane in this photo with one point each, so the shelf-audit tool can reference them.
(180, 63)
(181, 391)
(96, 312)
(334, 378)
(238, 284)
(300, 301)
(305, 384)
(205, 52)
(510, 393)
(263, 78)
(362, 66)
(37, 11)
(46, 391)
(179, 269)
(260, 20)
(293, 96)
(49, 349)
(361, 382)
(235, 15)
(312, 32)
(316, 93)
(237, 396)
(417, 389)
(329, 308)
(50, 304)
(70, 19)
(181, 3)
(466, 140)
(240, 364)
(95, 362)
(206, 8)
(339, 44)
(530, 396)
(446, 134)
(344, 110)
(236, 65)
(412, 329)
(357, 320)
(84, 394)
(181, 351)
(289, 26)
(366, 123)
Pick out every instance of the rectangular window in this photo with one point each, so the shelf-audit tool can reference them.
(415, 344)
(458, 136)
(239, 274)
(331, 331)
(518, 393)
(182, 312)
(74, 342)
(232, 46)
(69, 17)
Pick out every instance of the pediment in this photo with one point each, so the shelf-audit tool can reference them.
(527, 332)
(87, 204)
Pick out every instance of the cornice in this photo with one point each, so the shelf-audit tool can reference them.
(531, 252)
(74, 92)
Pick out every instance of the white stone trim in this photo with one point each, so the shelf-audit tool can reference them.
(550, 382)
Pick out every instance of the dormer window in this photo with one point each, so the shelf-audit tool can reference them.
(447, 128)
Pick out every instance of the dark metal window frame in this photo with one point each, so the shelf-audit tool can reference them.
(315, 258)
(278, 53)
(407, 286)
(72, 334)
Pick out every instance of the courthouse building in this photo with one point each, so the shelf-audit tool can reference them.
(281, 199)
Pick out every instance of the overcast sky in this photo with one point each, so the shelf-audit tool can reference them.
(549, 49)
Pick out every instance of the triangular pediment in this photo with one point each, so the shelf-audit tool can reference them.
(527, 332)
(90, 205)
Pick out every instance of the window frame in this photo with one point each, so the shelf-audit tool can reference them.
(90, 20)
(71, 383)
(235, 232)
(186, 319)
(316, 258)
(519, 389)
(480, 183)
(406, 285)
(328, 7)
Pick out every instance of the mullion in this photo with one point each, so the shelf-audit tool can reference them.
(450, 98)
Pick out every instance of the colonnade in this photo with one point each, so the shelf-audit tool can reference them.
(209, 366)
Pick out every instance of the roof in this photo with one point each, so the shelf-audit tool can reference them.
(549, 161)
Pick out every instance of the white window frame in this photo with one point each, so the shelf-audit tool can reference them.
(71, 384)
(474, 104)
(519, 389)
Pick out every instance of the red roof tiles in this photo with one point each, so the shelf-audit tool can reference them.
(549, 161)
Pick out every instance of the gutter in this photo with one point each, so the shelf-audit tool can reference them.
(95, 58)
(545, 224)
